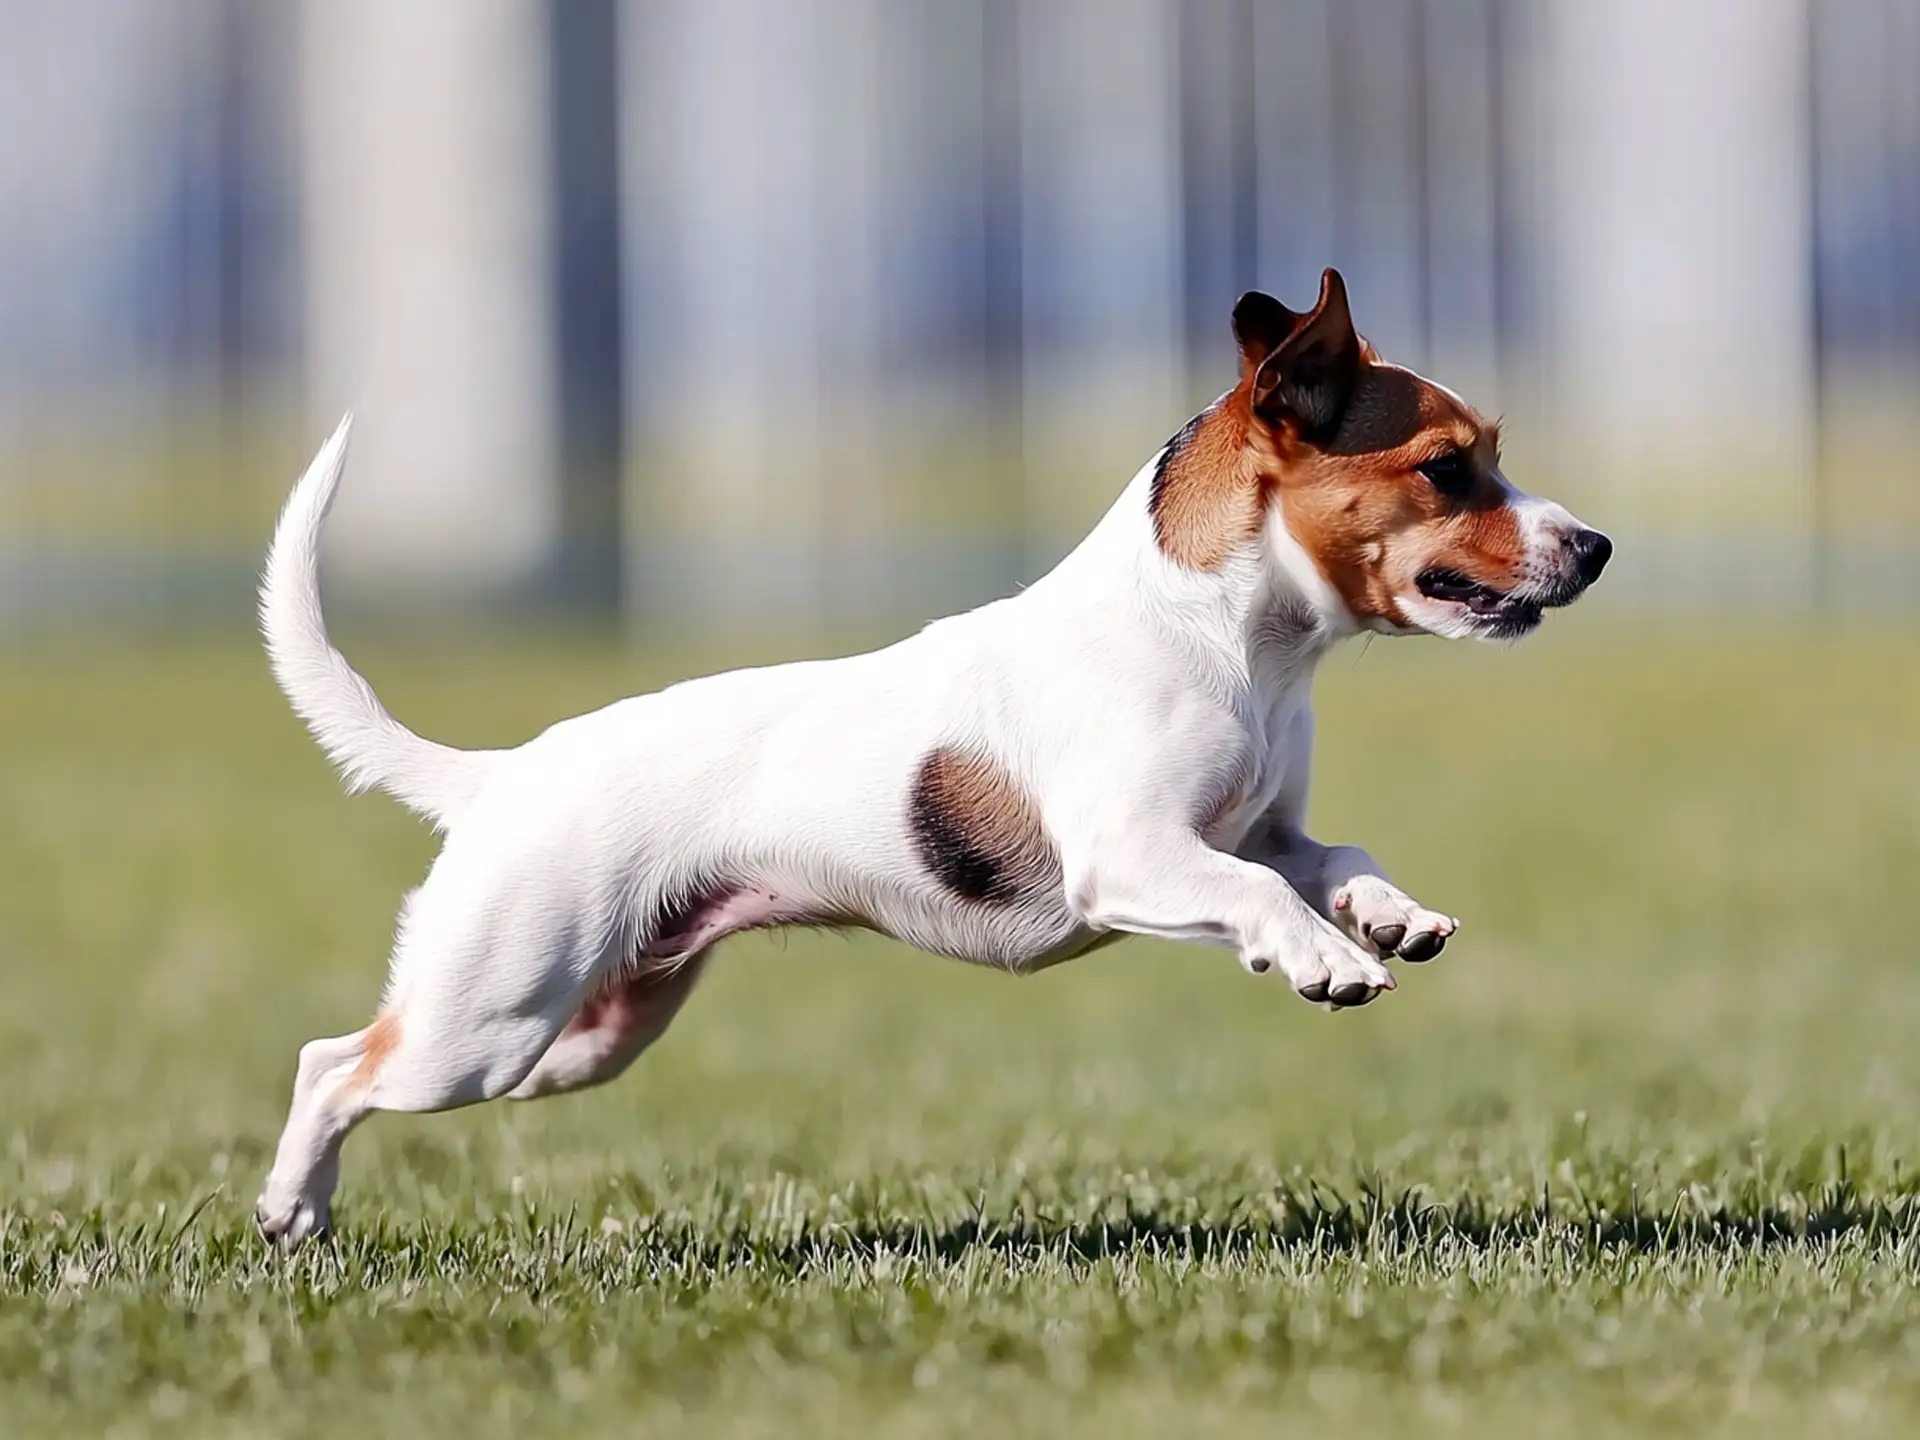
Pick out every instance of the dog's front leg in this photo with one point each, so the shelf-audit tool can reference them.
(1171, 884)
(1348, 886)
(1343, 883)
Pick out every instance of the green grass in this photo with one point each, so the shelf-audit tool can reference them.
(1639, 1155)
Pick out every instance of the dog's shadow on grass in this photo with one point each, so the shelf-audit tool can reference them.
(1406, 1227)
(1310, 1229)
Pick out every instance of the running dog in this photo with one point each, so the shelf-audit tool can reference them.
(1122, 748)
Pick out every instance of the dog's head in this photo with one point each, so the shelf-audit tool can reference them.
(1388, 484)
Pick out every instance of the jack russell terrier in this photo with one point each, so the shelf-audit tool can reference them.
(1122, 748)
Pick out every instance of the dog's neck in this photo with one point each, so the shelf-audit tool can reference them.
(1261, 619)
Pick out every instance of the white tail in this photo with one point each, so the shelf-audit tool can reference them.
(368, 745)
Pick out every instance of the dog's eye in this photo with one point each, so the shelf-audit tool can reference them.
(1450, 473)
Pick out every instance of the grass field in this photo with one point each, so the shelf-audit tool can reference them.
(1640, 1155)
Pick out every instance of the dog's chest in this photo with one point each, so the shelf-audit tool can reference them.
(1270, 760)
(1246, 801)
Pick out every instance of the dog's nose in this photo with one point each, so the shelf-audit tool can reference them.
(1591, 551)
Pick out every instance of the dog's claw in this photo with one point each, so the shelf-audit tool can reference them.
(1387, 937)
(1422, 945)
(1389, 922)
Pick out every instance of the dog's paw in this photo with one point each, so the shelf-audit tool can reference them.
(290, 1223)
(1387, 921)
(1325, 967)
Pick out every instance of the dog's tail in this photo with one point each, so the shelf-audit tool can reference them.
(368, 745)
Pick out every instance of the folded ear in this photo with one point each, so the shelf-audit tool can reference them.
(1260, 324)
(1309, 375)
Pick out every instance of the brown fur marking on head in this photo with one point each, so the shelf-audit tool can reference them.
(1360, 507)
(1210, 489)
(978, 831)
(1207, 498)
(1321, 425)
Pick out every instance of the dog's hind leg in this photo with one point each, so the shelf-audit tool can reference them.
(634, 1005)
(306, 1165)
(479, 994)
(619, 1020)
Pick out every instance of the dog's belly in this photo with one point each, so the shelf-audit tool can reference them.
(1023, 938)
(1024, 931)
(1029, 933)
(1081, 942)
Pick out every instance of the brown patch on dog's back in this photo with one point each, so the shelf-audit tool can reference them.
(978, 831)
(1207, 497)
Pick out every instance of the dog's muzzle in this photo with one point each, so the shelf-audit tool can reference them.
(1588, 552)
(1507, 613)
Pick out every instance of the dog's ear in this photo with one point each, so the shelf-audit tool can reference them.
(1310, 373)
(1260, 325)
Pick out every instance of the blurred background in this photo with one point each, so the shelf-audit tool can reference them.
(687, 333)
(688, 313)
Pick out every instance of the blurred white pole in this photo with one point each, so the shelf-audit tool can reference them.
(720, 135)
(1679, 274)
(425, 142)
(1102, 205)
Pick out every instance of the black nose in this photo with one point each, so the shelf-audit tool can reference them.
(1591, 551)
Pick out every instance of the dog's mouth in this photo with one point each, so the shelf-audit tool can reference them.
(1494, 613)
